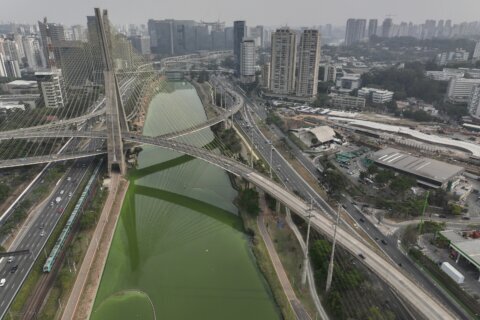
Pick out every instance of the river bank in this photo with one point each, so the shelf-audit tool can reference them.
(179, 240)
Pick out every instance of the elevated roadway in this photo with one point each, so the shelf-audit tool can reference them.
(390, 273)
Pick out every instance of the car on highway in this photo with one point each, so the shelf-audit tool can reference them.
(2, 282)
(384, 242)
(10, 259)
(42, 233)
(14, 269)
(59, 210)
(361, 256)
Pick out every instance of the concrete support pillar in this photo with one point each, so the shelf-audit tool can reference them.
(277, 206)
(458, 258)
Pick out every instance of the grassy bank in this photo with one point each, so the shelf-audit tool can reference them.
(266, 267)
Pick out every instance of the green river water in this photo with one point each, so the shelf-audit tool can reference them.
(179, 251)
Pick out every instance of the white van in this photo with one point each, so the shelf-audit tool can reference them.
(2, 282)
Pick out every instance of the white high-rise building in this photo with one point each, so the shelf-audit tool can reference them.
(474, 102)
(460, 89)
(247, 60)
(309, 60)
(3, 71)
(52, 88)
(476, 52)
(33, 51)
(284, 49)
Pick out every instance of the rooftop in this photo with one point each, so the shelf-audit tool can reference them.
(22, 83)
(423, 167)
(466, 246)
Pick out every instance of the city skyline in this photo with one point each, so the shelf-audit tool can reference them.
(313, 13)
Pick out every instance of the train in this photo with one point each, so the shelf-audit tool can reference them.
(52, 257)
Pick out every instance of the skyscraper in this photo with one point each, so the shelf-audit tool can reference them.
(387, 27)
(355, 31)
(239, 32)
(284, 49)
(55, 33)
(476, 51)
(308, 62)
(247, 60)
(141, 43)
(372, 27)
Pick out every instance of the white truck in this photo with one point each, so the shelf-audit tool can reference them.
(452, 272)
(58, 199)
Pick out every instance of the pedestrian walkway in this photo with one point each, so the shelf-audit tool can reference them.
(296, 305)
(82, 296)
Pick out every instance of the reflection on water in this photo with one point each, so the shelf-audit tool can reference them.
(179, 240)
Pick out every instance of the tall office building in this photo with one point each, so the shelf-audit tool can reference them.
(429, 29)
(474, 102)
(55, 33)
(247, 60)
(33, 52)
(52, 88)
(3, 70)
(141, 43)
(308, 63)
(175, 37)
(266, 75)
(372, 27)
(387, 27)
(258, 34)
(78, 33)
(355, 31)
(476, 51)
(12, 69)
(284, 49)
(161, 36)
(239, 32)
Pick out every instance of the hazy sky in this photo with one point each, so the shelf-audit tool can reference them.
(267, 12)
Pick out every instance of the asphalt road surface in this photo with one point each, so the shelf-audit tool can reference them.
(294, 182)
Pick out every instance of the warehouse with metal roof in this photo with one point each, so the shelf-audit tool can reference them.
(428, 172)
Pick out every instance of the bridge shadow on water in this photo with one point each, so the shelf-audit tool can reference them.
(129, 217)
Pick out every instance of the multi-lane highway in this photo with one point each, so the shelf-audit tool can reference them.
(296, 183)
(36, 233)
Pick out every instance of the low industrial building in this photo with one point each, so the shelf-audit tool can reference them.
(348, 82)
(465, 244)
(21, 87)
(314, 137)
(346, 101)
(428, 172)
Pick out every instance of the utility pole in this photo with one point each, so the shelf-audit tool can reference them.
(330, 265)
(305, 258)
(425, 204)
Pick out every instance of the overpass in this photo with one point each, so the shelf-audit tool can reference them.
(387, 271)
(116, 133)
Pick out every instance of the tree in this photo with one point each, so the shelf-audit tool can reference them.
(248, 201)
(402, 183)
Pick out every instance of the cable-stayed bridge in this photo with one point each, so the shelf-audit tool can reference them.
(114, 89)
